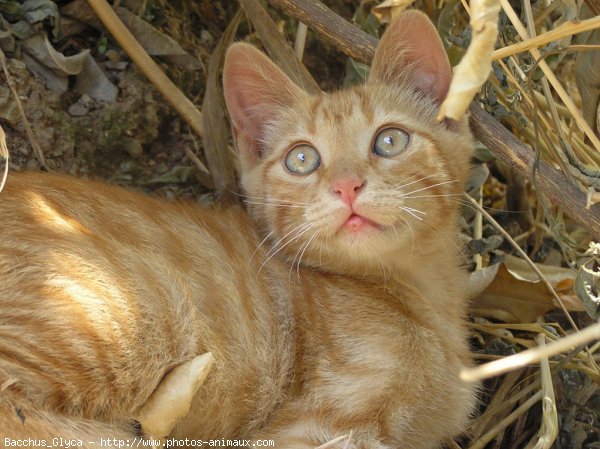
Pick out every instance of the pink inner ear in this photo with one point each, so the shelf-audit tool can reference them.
(255, 90)
(412, 41)
(429, 82)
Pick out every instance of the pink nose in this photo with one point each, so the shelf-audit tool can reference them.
(347, 189)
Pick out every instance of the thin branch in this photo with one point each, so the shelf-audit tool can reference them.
(349, 39)
(520, 157)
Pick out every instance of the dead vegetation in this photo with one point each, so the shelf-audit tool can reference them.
(529, 220)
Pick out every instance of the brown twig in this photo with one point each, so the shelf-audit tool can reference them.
(345, 36)
(148, 67)
(521, 158)
(503, 143)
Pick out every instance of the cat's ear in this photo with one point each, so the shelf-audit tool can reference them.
(411, 48)
(255, 91)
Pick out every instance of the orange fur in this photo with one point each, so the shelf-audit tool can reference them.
(317, 331)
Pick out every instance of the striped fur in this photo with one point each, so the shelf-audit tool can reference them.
(316, 331)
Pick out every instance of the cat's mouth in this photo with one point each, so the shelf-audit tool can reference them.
(356, 223)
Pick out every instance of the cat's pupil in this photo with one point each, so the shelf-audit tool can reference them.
(389, 140)
(301, 156)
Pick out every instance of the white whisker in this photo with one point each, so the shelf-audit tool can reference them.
(414, 210)
(291, 206)
(431, 196)
(299, 227)
(296, 237)
(304, 250)
(430, 187)
(412, 213)
(260, 244)
(398, 186)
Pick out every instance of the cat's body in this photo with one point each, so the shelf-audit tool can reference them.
(349, 316)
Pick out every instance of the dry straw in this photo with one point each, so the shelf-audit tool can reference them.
(475, 67)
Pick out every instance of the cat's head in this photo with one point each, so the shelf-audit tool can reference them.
(357, 178)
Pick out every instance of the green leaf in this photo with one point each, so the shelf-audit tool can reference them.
(102, 45)
(356, 72)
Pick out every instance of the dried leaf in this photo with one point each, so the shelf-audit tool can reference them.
(478, 174)
(171, 400)
(479, 280)
(39, 10)
(52, 80)
(93, 81)
(154, 42)
(42, 50)
(587, 286)
(18, 18)
(523, 300)
(157, 43)
(388, 10)
(522, 270)
(516, 290)
(216, 135)
(21, 29)
(587, 76)
(475, 67)
(484, 245)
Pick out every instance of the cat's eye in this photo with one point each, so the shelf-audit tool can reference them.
(302, 160)
(390, 142)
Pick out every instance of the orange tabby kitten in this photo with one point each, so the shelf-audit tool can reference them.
(335, 306)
